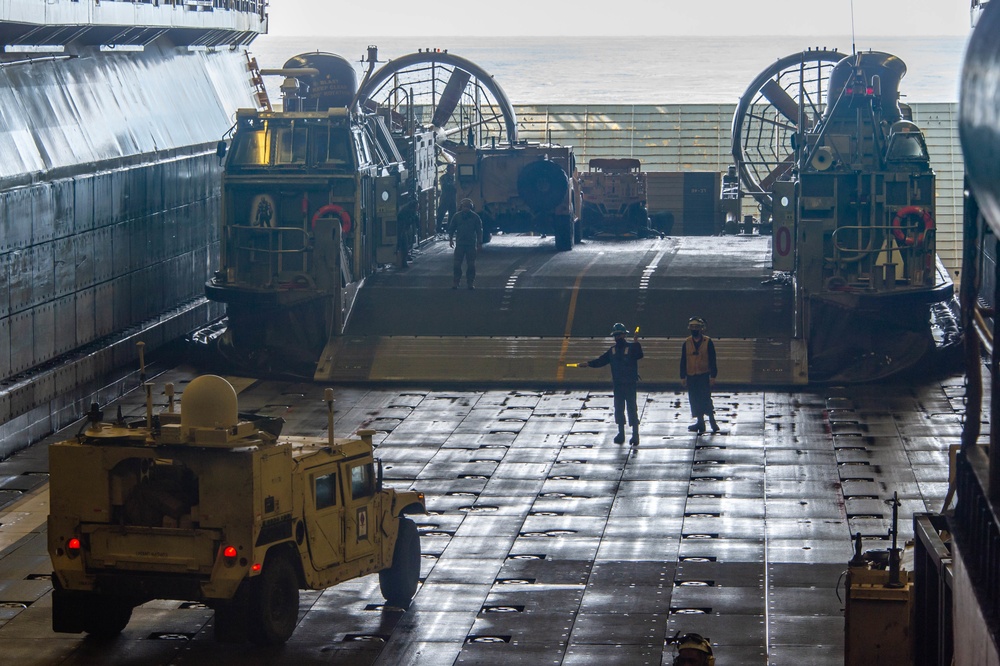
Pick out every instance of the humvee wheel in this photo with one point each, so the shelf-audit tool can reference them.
(106, 616)
(591, 220)
(99, 615)
(562, 226)
(274, 602)
(399, 582)
(67, 609)
(230, 623)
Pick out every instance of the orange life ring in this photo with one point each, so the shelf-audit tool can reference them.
(345, 217)
(897, 225)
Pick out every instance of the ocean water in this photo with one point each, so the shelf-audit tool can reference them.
(647, 70)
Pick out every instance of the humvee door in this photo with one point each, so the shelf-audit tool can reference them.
(324, 515)
(361, 510)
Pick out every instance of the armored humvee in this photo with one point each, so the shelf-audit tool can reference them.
(205, 506)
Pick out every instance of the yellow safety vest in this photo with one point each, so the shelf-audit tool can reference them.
(697, 361)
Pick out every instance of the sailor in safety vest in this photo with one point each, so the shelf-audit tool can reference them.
(698, 372)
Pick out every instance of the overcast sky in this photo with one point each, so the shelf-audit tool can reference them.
(431, 18)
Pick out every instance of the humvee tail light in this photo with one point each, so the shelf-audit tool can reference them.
(73, 547)
(229, 553)
(255, 567)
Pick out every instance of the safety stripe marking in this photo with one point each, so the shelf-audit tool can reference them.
(508, 290)
(647, 274)
(561, 368)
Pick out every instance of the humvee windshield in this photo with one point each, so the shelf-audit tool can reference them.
(293, 142)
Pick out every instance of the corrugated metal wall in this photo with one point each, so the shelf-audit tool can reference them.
(697, 137)
(109, 206)
(83, 257)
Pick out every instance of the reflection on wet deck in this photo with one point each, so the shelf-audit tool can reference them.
(548, 544)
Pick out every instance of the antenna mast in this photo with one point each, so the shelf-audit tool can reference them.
(854, 48)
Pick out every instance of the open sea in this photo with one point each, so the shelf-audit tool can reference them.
(641, 70)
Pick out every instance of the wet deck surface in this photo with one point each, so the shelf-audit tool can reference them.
(549, 544)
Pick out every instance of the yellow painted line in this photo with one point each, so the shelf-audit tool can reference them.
(561, 367)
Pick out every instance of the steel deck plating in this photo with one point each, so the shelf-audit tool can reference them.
(547, 543)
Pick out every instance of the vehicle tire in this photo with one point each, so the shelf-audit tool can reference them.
(563, 231)
(488, 226)
(274, 602)
(577, 232)
(399, 582)
(68, 609)
(591, 221)
(230, 624)
(106, 616)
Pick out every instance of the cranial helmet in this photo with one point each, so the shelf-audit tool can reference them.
(466, 203)
(696, 324)
(695, 642)
(618, 328)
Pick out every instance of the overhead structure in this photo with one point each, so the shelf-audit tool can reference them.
(785, 101)
(451, 94)
(515, 186)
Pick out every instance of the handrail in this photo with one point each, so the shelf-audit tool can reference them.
(247, 6)
(933, 576)
(886, 229)
(271, 231)
(976, 527)
(983, 329)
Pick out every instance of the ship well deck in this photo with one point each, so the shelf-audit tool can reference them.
(548, 543)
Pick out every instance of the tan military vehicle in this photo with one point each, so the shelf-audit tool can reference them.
(520, 188)
(203, 506)
(612, 199)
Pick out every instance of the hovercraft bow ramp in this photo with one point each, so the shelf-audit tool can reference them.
(533, 311)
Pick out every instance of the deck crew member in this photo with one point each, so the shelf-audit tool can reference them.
(446, 200)
(623, 357)
(465, 234)
(698, 372)
(693, 650)
(406, 226)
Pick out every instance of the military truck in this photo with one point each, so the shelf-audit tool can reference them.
(612, 198)
(204, 505)
(519, 188)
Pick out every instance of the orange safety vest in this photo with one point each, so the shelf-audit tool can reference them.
(697, 361)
